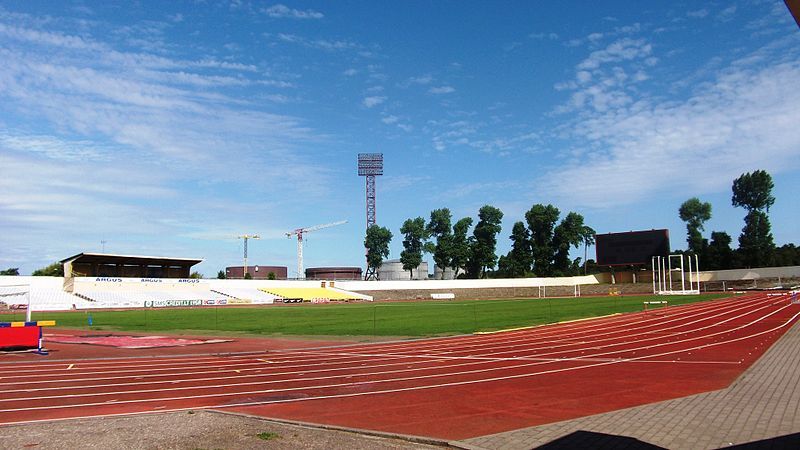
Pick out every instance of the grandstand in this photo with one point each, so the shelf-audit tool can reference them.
(314, 294)
(45, 293)
(127, 299)
(249, 295)
(51, 293)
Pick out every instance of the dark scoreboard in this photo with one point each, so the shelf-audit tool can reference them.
(631, 248)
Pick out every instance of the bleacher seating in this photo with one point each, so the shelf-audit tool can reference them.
(50, 293)
(313, 293)
(255, 296)
(121, 299)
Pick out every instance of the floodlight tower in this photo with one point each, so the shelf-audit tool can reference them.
(370, 165)
(246, 237)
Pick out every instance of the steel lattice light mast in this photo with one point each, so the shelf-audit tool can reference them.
(370, 165)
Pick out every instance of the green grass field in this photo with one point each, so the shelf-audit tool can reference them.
(359, 319)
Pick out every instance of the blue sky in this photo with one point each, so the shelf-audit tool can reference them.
(169, 128)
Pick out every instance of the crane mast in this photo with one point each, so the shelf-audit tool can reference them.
(299, 232)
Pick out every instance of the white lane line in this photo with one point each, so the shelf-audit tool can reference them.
(414, 388)
(343, 359)
(704, 305)
(580, 359)
(619, 343)
(380, 356)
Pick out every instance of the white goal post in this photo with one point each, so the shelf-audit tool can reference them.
(16, 295)
(665, 276)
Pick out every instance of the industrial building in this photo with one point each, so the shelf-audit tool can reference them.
(257, 272)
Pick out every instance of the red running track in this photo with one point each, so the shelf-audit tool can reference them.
(451, 388)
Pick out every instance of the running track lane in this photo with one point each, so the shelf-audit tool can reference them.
(450, 388)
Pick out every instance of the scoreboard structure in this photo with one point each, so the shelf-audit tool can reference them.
(631, 248)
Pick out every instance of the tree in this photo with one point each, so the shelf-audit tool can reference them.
(587, 236)
(520, 258)
(460, 245)
(787, 255)
(272, 276)
(719, 254)
(10, 271)
(221, 275)
(541, 222)
(53, 270)
(753, 191)
(695, 213)
(439, 228)
(569, 233)
(756, 246)
(377, 244)
(483, 244)
(196, 275)
(414, 236)
(247, 276)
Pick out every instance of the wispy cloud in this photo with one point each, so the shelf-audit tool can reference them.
(103, 115)
(373, 101)
(441, 90)
(322, 44)
(54, 148)
(542, 36)
(743, 119)
(697, 14)
(281, 11)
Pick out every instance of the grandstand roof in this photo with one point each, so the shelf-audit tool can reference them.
(109, 258)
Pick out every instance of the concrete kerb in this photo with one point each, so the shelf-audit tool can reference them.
(383, 434)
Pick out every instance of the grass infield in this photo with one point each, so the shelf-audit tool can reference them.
(428, 318)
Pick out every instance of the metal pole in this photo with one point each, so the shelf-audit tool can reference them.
(653, 268)
(683, 283)
(28, 311)
(244, 273)
(669, 266)
(691, 286)
(697, 268)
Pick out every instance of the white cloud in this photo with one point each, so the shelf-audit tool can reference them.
(621, 50)
(697, 14)
(726, 14)
(322, 44)
(420, 80)
(350, 72)
(54, 148)
(542, 36)
(81, 91)
(390, 119)
(280, 11)
(374, 100)
(594, 37)
(642, 147)
(441, 90)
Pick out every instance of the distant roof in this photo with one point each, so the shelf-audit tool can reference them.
(109, 258)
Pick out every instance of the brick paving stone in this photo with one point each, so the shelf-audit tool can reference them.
(761, 405)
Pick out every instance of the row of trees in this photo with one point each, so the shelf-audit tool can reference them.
(538, 246)
(53, 270)
(753, 192)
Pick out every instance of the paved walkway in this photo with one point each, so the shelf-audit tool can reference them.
(759, 409)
